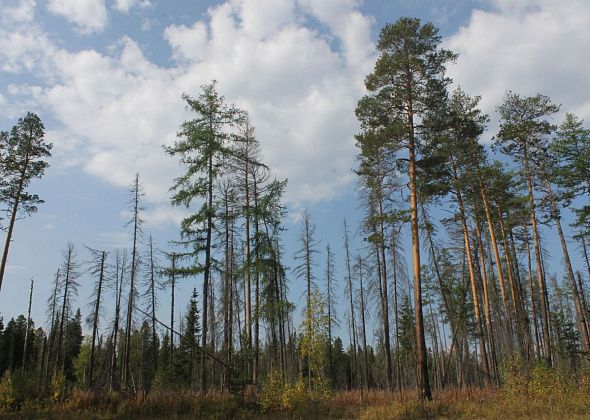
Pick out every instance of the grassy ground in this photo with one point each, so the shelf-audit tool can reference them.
(539, 394)
(466, 403)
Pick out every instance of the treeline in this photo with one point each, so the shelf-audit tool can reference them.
(481, 294)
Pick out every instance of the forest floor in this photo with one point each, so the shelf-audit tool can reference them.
(543, 403)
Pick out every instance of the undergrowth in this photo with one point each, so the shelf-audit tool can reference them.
(527, 392)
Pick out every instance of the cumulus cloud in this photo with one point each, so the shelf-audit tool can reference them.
(300, 84)
(296, 65)
(87, 15)
(527, 46)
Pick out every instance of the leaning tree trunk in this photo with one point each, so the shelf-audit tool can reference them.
(14, 212)
(474, 292)
(540, 276)
(584, 330)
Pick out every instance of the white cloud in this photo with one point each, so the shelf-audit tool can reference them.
(299, 86)
(296, 65)
(529, 47)
(124, 6)
(88, 15)
(18, 10)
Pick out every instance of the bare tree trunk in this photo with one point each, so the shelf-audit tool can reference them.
(27, 328)
(350, 294)
(95, 319)
(365, 355)
(131, 303)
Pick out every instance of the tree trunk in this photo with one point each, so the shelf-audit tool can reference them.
(95, 319)
(350, 293)
(21, 183)
(474, 292)
(422, 356)
(540, 277)
(583, 327)
(27, 328)
(365, 355)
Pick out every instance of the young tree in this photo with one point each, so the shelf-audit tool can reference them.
(23, 155)
(202, 148)
(408, 79)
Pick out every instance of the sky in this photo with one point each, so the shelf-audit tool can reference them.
(106, 78)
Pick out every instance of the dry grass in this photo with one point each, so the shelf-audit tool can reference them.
(541, 394)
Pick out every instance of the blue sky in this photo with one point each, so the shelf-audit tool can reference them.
(106, 78)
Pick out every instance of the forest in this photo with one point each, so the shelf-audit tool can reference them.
(484, 324)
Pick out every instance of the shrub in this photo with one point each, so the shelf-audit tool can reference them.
(278, 395)
(7, 398)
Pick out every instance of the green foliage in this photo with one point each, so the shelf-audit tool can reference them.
(23, 154)
(7, 398)
(279, 395)
(314, 340)
(81, 363)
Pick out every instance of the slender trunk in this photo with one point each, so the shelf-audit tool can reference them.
(365, 355)
(422, 356)
(540, 277)
(584, 330)
(131, 303)
(330, 361)
(14, 212)
(27, 328)
(350, 293)
(385, 301)
(398, 370)
(172, 287)
(256, 284)
(474, 292)
(308, 279)
(524, 335)
(95, 318)
(226, 293)
(488, 213)
(538, 351)
(51, 335)
(207, 274)
(118, 294)
(486, 300)
(248, 272)
(153, 306)
(64, 306)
